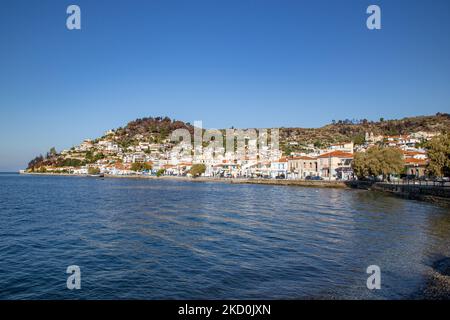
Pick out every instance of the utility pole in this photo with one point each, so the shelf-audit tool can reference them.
(329, 168)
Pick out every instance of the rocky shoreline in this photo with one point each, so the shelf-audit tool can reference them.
(437, 284)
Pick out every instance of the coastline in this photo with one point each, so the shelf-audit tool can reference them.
(301, 183)
(411, 192)
(428, 194)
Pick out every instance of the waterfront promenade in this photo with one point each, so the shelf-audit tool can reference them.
(283, 182)
(431, 191)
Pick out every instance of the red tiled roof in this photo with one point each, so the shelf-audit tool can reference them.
(412, 153)
(416, 161)
(336, 154)
(303, 158)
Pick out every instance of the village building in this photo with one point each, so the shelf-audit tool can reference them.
(302, 166)
(335, 165)
(371, 139)
(416, 167)
(279, 168)
(344, 147)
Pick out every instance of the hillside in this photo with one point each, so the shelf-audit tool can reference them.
(152, 130)
(354, 130)
(157, 131)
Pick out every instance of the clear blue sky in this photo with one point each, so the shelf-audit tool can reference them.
(242, 63)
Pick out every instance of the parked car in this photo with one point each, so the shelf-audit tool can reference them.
(313, 178)
(408, 176)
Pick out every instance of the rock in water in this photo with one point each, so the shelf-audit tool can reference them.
(443, 266)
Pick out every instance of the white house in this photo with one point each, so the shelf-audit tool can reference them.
(279, 168)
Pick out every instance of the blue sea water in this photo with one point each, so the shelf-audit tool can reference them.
(161, 239)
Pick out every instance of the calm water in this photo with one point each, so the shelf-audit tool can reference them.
(165, 239)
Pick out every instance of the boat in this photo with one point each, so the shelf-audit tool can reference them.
(100, 175)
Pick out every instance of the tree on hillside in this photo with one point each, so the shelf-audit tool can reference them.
(36, 162)
(378, 161)
(51, 153)
(439, 154)
(68, 162)
(93, 170)
(197, 169)
(359, 139)
(139, 167)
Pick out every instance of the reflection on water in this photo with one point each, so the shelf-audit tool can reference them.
(170, 239)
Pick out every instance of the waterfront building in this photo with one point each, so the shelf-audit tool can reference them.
(329, 163)
(416, 167)
(300, 167)
(279, 168)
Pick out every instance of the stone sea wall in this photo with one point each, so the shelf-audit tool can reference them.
(439, 194)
